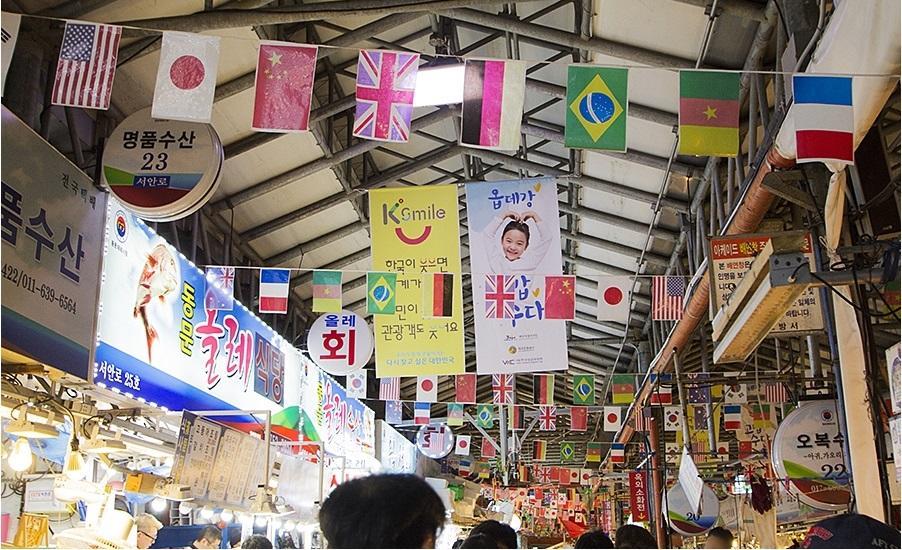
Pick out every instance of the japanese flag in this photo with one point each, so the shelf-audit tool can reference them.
(356, 382)
(574, 475)
(463, 445)
(614, 298)
(672, 421)
(186, 77)
(427, 387)
(585, 476)
(612, 419)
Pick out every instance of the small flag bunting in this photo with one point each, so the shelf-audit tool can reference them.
(579, 418)
(390, 388)
(465, 388)
(455, 414)
(393, 412)
(421, 413)
(274, 288)
(86, 65)
(584, 389)
(709, 113)
(824, 118)
(543, 389)
(463, 445)
(596, 110)
(503, 388)
(438, 294)
(326, 291)
(381, 295)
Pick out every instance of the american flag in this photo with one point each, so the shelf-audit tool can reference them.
(385, 86)
(641, 420)
(86, 66)
(503, 389)
(775, 392)
(667, 298)
(499, 296)
(390, 388)
(548, 418)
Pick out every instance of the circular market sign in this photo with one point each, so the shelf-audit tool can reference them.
(162, 170)
(808, 451)
(340, 343)
(435, 440)
(684, 519)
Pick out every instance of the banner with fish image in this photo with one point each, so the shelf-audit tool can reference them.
(158, 343)
(514, 232)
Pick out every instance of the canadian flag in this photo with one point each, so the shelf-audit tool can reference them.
(186, 77)
(614, 298)
(612, 419)
(427, 389)
(463, 445)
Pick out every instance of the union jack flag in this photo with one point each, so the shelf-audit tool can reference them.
(503, 389)
(219, 295)
(548, 418)
(500, 296)
(385, 86)
(543, 474)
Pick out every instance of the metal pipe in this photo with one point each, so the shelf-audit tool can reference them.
(657, 481)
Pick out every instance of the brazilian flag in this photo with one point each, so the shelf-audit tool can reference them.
(485, 416)
(381, 295)
(596, 108)
(567, 451)
(584, 389)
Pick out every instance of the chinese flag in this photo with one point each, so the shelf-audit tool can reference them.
(560, 297)
(579, 419)
(284, 87)
(465, 388)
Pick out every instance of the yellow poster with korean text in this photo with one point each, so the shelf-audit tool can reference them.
(415, 231)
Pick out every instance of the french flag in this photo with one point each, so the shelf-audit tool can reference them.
(823, 118)
(421, 413)
(732, 417)
(274, 290)
(618, 453)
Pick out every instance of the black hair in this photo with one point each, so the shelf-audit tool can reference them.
(479, 540)
(722, 534)
(382, 511)
(256, 541)
(516, 226)
(501, 533)
(594, 539)
(633, 536)
(209, 532)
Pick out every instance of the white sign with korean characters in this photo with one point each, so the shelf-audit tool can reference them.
(730, 259)
(340, 343)
(52, 231)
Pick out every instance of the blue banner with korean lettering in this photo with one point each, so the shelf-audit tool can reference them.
(52, 232)
(158, 343)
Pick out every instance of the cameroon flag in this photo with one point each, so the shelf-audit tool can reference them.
(709, 113)
(596, 108)
(622, 389)
(593, 452)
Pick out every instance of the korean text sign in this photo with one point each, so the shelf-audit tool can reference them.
(344, 424)
(416, 231)
(158, 343)
(515, 240)
(639, 496)
(52, 231)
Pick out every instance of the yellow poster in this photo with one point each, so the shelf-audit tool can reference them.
(415, 231)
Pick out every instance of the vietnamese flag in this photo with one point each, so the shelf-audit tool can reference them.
(709, 113)
(560, 297)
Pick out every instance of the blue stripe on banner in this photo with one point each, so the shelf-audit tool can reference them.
(830, 90)
(275, 276)
(24, 336)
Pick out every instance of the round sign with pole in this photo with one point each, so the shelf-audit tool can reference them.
(435, 440)
(808, 452)
(162, 170)
(340, 343)
(686, 520)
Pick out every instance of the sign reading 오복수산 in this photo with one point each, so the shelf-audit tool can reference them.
(416, 231)
(52, 231)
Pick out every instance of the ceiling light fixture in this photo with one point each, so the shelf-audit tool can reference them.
(22, 427)
(20, 456)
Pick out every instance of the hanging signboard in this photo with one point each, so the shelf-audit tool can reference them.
(344, 425)
(222, 466)
(732, 256)
(158, 344)
(416, 231)
(394, 451)
(340, 343)
(514, 230)
(435, 440)
(639, 496)
(687, 520)
(808, 451)
(52, 230)
(162, 170)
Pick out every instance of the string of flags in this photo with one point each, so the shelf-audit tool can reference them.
(597, 99)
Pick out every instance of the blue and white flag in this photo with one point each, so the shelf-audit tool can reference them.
(393, 412)
(220, 290)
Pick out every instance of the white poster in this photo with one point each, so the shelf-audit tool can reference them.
(514, 232)
(10, 34)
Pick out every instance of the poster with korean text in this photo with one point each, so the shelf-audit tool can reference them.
(416, 231)
(515, 241)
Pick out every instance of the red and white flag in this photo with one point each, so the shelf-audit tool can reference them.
(574, 475)
(775, 392)
(614, 299)
(356, 382)
(86, 65)
(385, 86)
(465, 388)
(503, 389)
(463, 445)
(547, 418)
(390, 388)
(667, 297)
(186, 77)
(427, 389)
(612, 419)
(283, 87)
(585, 476)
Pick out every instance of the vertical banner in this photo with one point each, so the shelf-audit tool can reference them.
(417, 231)
(515, 231)
(639, 496)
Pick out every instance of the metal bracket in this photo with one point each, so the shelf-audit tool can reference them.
(782, 184)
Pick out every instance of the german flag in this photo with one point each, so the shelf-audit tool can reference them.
(543, 389)
(438, 291)
(539, 448)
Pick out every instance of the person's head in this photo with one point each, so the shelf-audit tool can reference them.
(594, 539)
(256, 541)
(719, 538)
(503, 534)
(382, 511)
(851, 531)
(633, 536)
(147, 527)
(208, 537)
(479, 540)
(514, 240)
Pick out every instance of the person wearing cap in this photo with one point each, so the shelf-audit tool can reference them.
(147, 527)
(851, 531)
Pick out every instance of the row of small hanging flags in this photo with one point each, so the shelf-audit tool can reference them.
(597, 101)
